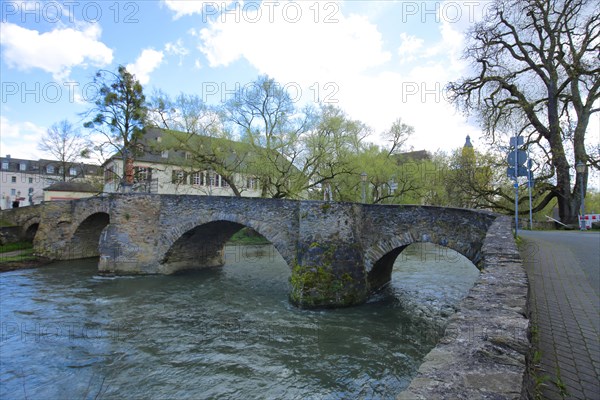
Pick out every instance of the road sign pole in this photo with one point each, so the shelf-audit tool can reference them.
(516, 208)
(530, 184)
(516, 186)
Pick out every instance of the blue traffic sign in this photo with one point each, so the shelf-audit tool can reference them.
(519, 156)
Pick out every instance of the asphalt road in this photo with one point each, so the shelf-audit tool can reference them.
(585, 246)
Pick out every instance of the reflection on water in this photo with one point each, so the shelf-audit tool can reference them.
(220, 333)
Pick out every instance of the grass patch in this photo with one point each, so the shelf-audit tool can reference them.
(26, 255)
(248, 236)
(15, 246)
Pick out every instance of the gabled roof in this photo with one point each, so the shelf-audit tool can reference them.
(151, 150)
(418, 155)
(39, 166)
(72, 187)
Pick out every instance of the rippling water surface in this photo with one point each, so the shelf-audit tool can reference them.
(227, 333)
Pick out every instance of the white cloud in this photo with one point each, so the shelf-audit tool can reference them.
(276, 43)
(190, 7)
(15, 134)
(350, 55)
(409, 45)
(57, 51)
(177, 49)
(147, 62)
(416, 94)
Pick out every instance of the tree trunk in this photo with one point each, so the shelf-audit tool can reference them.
(568, 208)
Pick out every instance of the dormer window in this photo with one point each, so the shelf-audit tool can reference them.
(50, 169)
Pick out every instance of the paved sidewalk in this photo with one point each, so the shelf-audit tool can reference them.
(563, 269)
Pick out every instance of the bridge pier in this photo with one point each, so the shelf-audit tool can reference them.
(128, 245)
(328, 271)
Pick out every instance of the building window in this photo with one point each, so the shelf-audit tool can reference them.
(22, 167)
(30, 180)
(212, 178)
(164, 154)
(13, 179)
(251, 183)
(224, 183)
(109, 174)
(72, 171)
(188, 155)
(5, 165)
(197, 178)
(50, 169)
(141, 174)
(178, 177)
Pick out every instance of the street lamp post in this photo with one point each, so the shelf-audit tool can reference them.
(363, 178)
(580, 168)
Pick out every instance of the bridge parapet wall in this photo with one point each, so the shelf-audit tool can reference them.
(20, 219)
(482, 353)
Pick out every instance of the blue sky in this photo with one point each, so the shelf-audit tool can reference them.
(378, 60)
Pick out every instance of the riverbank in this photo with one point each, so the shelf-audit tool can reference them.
(15, 256)
(21, 259)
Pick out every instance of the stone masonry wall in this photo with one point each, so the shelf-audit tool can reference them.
(482, 354)
(21, 217)
(148, 233)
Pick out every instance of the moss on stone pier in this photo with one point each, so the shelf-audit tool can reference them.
(319, 286)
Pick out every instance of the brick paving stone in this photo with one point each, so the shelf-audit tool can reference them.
(574, 393)
(566, 310)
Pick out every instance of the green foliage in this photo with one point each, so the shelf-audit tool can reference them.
(265, 117)
(15, 246)
(119, 112)
(592, 202)
(25, 255)
(247, 236)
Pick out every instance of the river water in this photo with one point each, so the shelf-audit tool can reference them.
(225, 333)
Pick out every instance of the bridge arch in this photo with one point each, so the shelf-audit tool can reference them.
(85, 239)
(381, 256)
(30, 228)
(202, 242)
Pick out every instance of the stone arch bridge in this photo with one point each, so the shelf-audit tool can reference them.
(338, 253)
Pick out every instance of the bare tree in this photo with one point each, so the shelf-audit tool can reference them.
(536, 61)
(65, 144)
